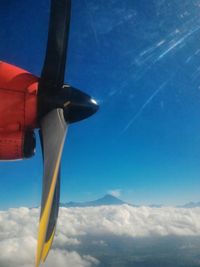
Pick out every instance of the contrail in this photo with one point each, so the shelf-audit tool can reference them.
(178, 42)
(147, 102)
(92, 23)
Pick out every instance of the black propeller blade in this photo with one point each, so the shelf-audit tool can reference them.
(53, 131)
(58, 105)
(52, 220)
(52, 77)
(54, 211)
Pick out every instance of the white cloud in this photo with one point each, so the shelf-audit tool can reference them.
(18, 230)
(130, 221)
(64, 258)
(99, 242)
(115, 192)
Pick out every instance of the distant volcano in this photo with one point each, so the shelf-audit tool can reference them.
(106, 200)
(112, 200)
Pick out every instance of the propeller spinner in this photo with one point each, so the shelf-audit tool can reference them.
(58, 106)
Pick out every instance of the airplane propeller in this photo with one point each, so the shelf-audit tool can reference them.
(58, 106)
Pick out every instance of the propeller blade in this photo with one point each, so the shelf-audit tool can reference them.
(54, 212)
(52, 77)
(53, 132)
(52, 220)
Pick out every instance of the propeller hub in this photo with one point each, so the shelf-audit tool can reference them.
(76, 104)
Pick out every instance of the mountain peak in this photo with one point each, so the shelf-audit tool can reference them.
(109, 196)
(108, 199)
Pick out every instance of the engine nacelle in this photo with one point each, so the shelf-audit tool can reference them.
(18, 112)
(17, 145)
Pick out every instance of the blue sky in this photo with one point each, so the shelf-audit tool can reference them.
(141, 61)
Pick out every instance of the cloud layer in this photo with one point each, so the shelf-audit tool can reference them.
(131, 221)
(18, 230)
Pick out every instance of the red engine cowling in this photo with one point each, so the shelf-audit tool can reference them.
(18, 112)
